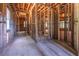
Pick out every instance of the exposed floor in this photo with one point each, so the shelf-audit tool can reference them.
(26, 46)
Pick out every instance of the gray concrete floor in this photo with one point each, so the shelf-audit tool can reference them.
(26, 46)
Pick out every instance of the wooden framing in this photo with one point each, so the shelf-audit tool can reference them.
(38, 12)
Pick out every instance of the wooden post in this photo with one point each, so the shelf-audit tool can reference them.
(3, 34)
(76, 27)
(72, 14)
(36, 23)
(18, 22)
(44, 21)
(31, 23)
(65, 24)
(1, 29)
(58, 22)
(40, 24)
(49, 22)
(51, 25)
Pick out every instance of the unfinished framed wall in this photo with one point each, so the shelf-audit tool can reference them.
(3, 32)
(64, 23)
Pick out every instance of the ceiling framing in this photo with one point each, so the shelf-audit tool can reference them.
(27, 7)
